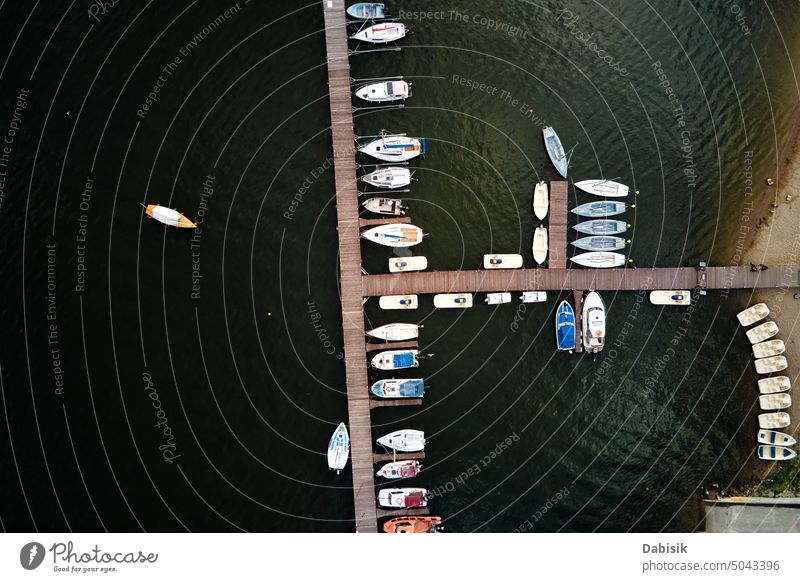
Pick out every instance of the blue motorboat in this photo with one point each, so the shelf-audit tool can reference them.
(396, 359)
(565, 327)
(604, 208)
(366, 10)
(600, 243)
(601, 227)
(399, 388)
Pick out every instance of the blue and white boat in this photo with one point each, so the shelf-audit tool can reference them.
(601, 227)
(600, 243)
(565, 327)
(555, 150)
(399, 388)
(396, 359)
(596, 209)
(366, 10)
(339, 448)
(777, 438)
(394, 148)
(767, 453)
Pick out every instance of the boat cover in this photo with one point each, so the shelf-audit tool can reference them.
(404, 360)
(166, 215)
(412, 387)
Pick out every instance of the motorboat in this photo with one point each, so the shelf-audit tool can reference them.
(774, 437)
(775, 401)
(400, 470)
(498, 298)
(384, 92)
(774, 384)
(414, 524)
(565, 327)
(601, 227)
(398, 302)
(502, 261)
(394, 148)
(396, 359)
(395, 332)
(762, 332)
(366, 10)
(753, 314)
(168, 216)
(597, 209)
(594, 323)
(539, 246)
(402, 498)
(772, 420)
(406, 441)
(540, 200)
(388, 178)
(390, 206)
(555, 150)
(670, 297)
(768, 453)
(769, 348)
(402, 264)
(604, 188)
(339, 448)
(452, 300)
(533, 296)
(599, 260)
(600, 243)
(382, 33)
(394, 235)
(770, 365)
(399, 388)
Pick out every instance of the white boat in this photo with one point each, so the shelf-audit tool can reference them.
(390, 206)
(670, 297)
(394, 235)
(768, 453)
(339, 448)
(539, 246)
(769, 348)
(400, 470)
(604, 188)
(502, 261)
(777, 438)
(395, 332)
(774, 384)
(594, 323)
(168, 216)
(600, 243)
(452, 300)
(396, 359)
(402, 498)
(775, 401)
(382, 33)
(599, 260)
(384, 92)
(602, 227)
(388, 178)
(394, 148)
(774, 420)
(498, 298)
(533, 296)
(770, 365)
(398, 302)
(555, 150)
(366, 10)
(406, 441)
(753, 314)
(401, 264)
(540, 200)
(762, 332)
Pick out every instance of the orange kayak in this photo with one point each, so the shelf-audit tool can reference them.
(414, 524)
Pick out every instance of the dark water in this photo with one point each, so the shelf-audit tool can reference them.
(145, 385)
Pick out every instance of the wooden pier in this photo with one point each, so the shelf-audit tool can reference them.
(367, 222)
(409, 345)
(577, 304)
(557, 233)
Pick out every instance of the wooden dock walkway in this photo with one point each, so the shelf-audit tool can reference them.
(409, 345)
(380, 403)
(389, 457)
(577, 305)
(367, 222)
(557, 232)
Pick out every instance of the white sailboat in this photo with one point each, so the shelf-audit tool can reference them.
(405, 441)
(395, 332)
(604, 188)
(388, 178)
(539, 246)
(394, 235)
(382, 33)
(541, 201)
(394, 148)
(599, 260)
(594, 323)
(339, 448)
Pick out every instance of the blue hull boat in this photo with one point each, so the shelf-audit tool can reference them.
(601, 227)
(555, 150)
(366, 10)
(565, 327)
(399, 388)
(600, 243)
(605, 208)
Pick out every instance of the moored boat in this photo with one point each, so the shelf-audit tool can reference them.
(366, 10)
(401, 264)
(395, 332)
(394, 235)
(770, 365)
(598, 209)
(552, 143)
(396, 359)
(394, 148)
(670, 297)
(168, 216)
(774, 420)
(599, 260)
(774, 437)
(398, 302)
(533, 296)
(389, 206)
(539, 246)
(502, 261)
(753, 314)
(601, 227)
(399, 388)
(774, 384)
(565, 327)
(414, 524)
(402, 497)
(769, 348)
(406, 440)
(604, 188)
(594, 323)
(770, 453)
(339, 448)
(385, 91)
(400, 470)
(498, 298)
(775, 401)
(541, 200)
(388, 178)
(382, 33)
(600, 243)
(762, 332)
(452, 300)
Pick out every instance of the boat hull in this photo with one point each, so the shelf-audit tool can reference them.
(404, 441)
(541, 201)
(774, 437)
(453, 300)
(394, 235)
(394, 148)
(601, 227)
(770, 365)
(753, 314)
(402, 498)
(599, 209)
(339, 448)
(399, 388)
(772, 453)
(388, 178)
(398, 302)
(555, 151)
(599, 260)
(670, 298)
(502, 261)
(366, 10)
(402, 264)
(381, 33)
(498, 298)
(384, 206)
(399, 470)
(539, 245)
(533, 296)
(603, 188)
(774, 384)
(565, 327)
(593, 323)
(769, 348)
(762, 332)
(775, 401)
(396, 359)
(413, 524)
(600, 243)
(168, 216)
(396, 332)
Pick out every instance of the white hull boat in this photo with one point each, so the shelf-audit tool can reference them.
(769, 348)
(774, 384)
(386, 206)
(762, 332)
(396, 235)
(604, 188)
(599, 209)
(382, 33)
(339, 448)
(396, 359)
(498, 298)
(453, 300)
(398, 302)
(603, 227)
(777, 438)
(402, 498)
(533, 296)
(600, 243)
(772, 420)
(775, 401)
(394, 148)
(670, 297)
(541, 201)
(400, 470)
(770, 365)
(384, 92)
(753, 314)
(402, 264)
(599, 260)
(539, 246)
(404, 441)
(395, 332)
(388, 178)
(594, 323)
(366, 10)
(502, 261)
(768, 453)
(168, 216)
(552, 143)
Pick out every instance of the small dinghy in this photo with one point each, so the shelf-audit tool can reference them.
(396, 359)
(769, 348)
(762, 332)
(401, 264)
(753, 314)
(339, 448)
(366, 10)
(774, 437)
(402, 498)
(394, 235)
(768, 453)
(394, 148)
(595, 209)
(594, 323)
(452, 300)
(399, 388)
(382, 33)
(774, 384)
(774, 420)
(406, 441)
(388, 178)
(539, 246)
(555, 151)
(168, 216)
(604, 188)
(599, 260)
(775, 401)
(670, 297)
(540, 201)
(601, 227)
(565, 327)
(390, 206)
(384, 92)
(502, 261)
(497, 298)
(600, 243)
(395, 332)
(400, 470)
(398, 302)
(770, 365)
(414, 524)
(533, 296)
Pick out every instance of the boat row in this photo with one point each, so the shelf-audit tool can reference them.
(456, 300)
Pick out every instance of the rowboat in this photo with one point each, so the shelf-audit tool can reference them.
(390, 206)
(406, 441)
(769, 348)
(762, 332)
(402, 498)
(394, 148)
(600, 243)
(452, 300)
(400, 470)
(396, 359)
(401, 264)
(339, 448)
(394, 235)
(414, 524)
(597, 209)
(502, 261)
(670, 297)
(774, 384)
(539, 246)
(594, 323)
(770, 365)
(388, 178)
(604, 188)
(753, 314)
(775, 401)
(168, 216)
(533, 296)
(366, 10)
(540, 200)
(398, 302)
(774, 437)
(555, 150)
(774, 420)
(399, 388)
(382, 33)
(498, 298)
(767, 453)
(395, 332)
(565, 327)
(384, 92)
(601, 227)
(599, 260)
